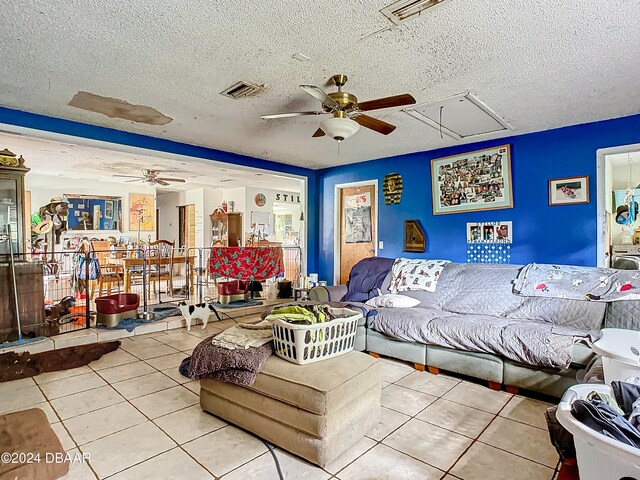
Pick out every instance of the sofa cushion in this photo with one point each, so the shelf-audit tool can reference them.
(321, 387)
(582, 354)
(488, 290)
(426, 299)
(526, 341)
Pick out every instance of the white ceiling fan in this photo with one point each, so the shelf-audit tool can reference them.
(151, 177)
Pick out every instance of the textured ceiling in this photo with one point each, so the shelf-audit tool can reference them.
(46, 157)
(538, 64)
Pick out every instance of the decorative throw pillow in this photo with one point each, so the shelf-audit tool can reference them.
(418, 274)
(392, 300)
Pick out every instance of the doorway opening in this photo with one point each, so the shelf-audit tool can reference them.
(187, 226)
(355, 226)
(618, 198)
(81, 200)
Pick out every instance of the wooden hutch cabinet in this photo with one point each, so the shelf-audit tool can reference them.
(226, 228)
(12, 202)
(29, 282)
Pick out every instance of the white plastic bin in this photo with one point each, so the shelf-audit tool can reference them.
(303, 344)
(620, 350)
(599, 457)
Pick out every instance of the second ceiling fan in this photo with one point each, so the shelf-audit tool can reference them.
(152, 177)
(347, 111)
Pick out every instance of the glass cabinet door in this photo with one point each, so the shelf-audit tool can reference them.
(10, 209)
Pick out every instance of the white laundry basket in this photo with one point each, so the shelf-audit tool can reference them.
(599, 457)
(620, 350)
(303, 344)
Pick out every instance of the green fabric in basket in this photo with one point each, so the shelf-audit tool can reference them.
(298, 315)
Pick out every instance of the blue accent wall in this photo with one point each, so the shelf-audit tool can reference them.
(83, 130)
(545, 234)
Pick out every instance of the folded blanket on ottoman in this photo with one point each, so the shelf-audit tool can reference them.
(213, 362)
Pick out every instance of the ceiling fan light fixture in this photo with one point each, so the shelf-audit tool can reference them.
(339, 128)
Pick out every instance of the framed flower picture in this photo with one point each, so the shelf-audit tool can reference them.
(568, 191)
(478, 180)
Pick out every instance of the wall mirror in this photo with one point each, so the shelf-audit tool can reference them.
(94, 212)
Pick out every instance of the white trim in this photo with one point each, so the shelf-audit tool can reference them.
(336, 222)
(119, 147)
(601, 217)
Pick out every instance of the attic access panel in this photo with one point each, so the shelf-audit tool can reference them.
(462, 116)
(403, 10)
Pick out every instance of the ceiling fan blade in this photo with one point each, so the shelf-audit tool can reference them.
(320, 95)
(289, 114)
(161, 182)
(180, 180)
(135, 180)
(374, 124)
(129, 176)
(318, 133)
(387, 102)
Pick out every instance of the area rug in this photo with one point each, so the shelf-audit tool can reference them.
(240, 303)
(130, 324)
(14, 366)
(26, 436)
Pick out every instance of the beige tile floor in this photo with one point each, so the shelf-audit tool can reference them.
(138, 418)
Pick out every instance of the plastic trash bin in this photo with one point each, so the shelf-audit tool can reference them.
(620, 351)
(599, 457)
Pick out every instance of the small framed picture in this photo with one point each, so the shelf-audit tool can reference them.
(568, 191)
(490, 232)
(474, 233)
(108, 209)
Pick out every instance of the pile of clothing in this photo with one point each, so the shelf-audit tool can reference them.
(237, 354)
(615, 416)
(302, 314)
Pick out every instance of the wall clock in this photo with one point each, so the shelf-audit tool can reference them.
(261, 200)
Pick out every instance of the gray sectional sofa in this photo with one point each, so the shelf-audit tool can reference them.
(471, 295)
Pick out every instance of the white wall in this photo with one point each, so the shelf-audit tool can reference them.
(167, 203)
(44, 187)
(620, 175)
(270, 196)
(205, 201)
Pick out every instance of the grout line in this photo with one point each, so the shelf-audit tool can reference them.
(473, 440)
(65, 428)
(355, 459)
(103, 436)
(89, 411)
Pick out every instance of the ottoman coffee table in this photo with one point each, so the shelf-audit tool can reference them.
(316, 411)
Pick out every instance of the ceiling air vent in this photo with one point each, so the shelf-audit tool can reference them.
(403, 10)
(241, 90)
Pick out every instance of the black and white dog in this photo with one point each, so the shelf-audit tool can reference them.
(202, 311)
